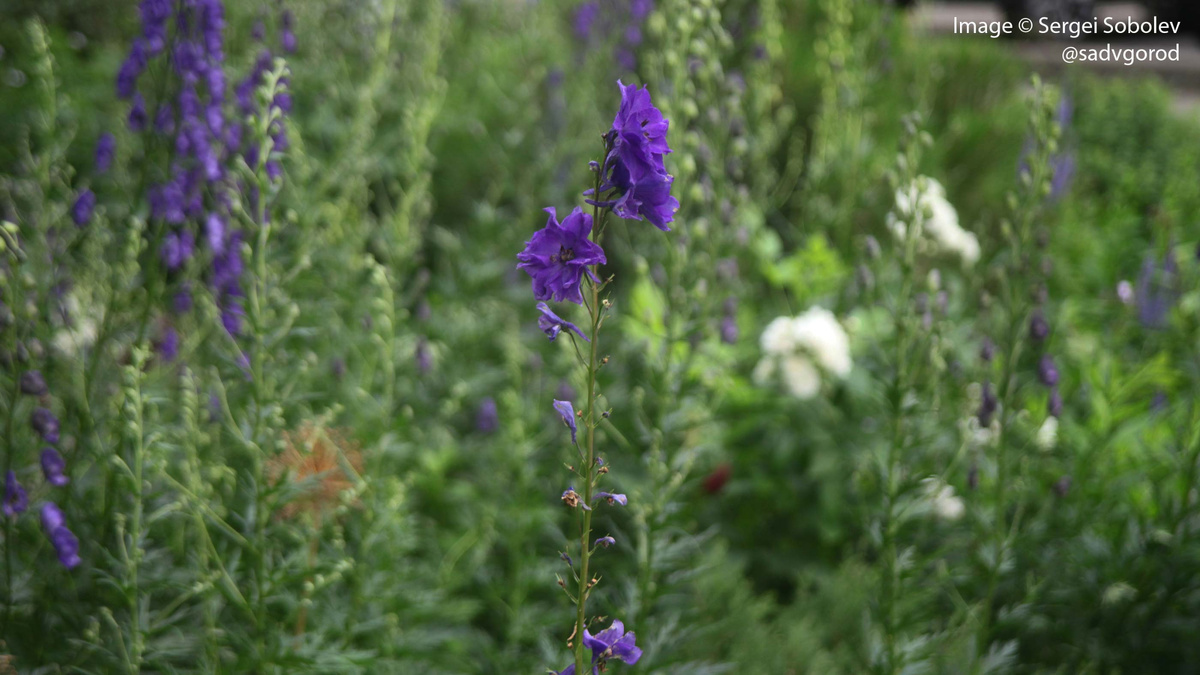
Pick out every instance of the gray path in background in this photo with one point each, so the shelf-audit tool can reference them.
(1046, 55)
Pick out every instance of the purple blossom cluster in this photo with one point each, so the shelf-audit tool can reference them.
(617, 20)
(16, 500)
(635, 183)
(208, 139)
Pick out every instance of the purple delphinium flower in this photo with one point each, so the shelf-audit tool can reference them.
(611, 498)
(15, 499)
(137, 113)
(1054, 405)
(65, 543)
(106, 146)
(33, 384)
(181, 303)
(634, 169)
(164, 118)
(606, 542)
(487, 418)
(610, 644)
(1155, 292)
(567, 412)
(1047, 371)
(288, 37)
(988, 404)
(552, 324)
(177, 249)
(557, 256)
(729, 330)
(53, 467)
(168, 344)
(45, 424)
(424, 357)
(81, 210)
(585, 17)
(1039, 327)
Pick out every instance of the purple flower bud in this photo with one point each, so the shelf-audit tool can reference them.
(988, 404)
(424, 357)
(45, 424)
(567, 412)
(1054, 405)
(137, 113)
(53, 467)
(177, 249)
(33, 384)
(729, 330)
(168, 344)
(231, 316)
(65, 543)
(15, 499)
(987, 350)
(487, 418)
(81, 210)
(1039, 328)
(182, 302)
(1047, 371)
(606, 542)
(288, 36)
(106, 146)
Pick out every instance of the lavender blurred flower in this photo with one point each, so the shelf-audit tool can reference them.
(15, 499)
(606, 542)
(1039, 327)
(106, 146)
(81, 210)
(33, 384)
(1047, 371)
(53, 467)
(487, 418)
(65, 543)
(1054, 405)
(45, 424)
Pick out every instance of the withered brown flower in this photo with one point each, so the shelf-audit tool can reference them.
(315, 460)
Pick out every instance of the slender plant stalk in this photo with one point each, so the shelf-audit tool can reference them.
(588, 474)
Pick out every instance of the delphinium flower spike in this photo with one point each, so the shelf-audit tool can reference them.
(562, 260)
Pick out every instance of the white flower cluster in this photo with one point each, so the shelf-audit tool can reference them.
(926, 198)
(942, 500)
(803, 347)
